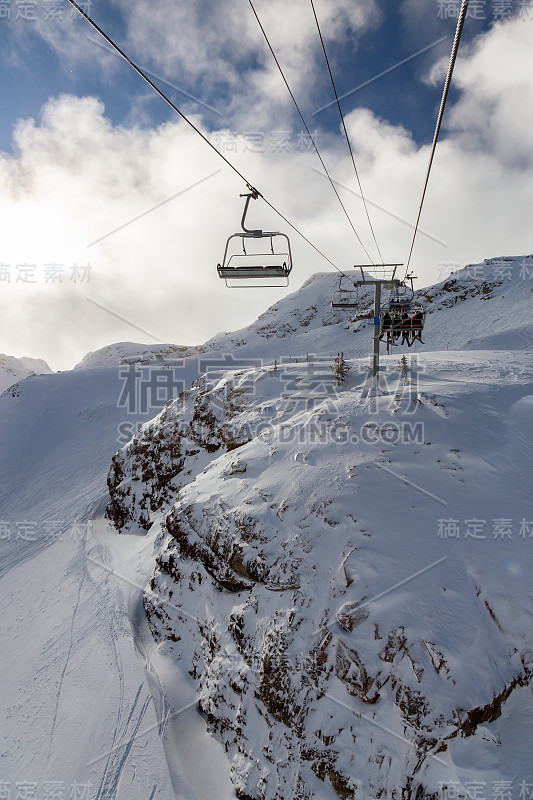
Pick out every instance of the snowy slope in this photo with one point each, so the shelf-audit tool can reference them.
(458, 317)
(457, 305)
(14, 369)
(272, 505)
(127, 352)
(342, 642)
(304, 322)
(75, 693)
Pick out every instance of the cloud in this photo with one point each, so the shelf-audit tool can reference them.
(213, 51)
(495, 110)
(217, 43)
(75, 177)
(63, 30)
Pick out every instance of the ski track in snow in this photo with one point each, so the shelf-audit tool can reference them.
(112, 770)
(67, 659)
(120, 752)
(70, 437)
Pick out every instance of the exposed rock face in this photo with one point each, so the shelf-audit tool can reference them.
(273, 585)
(168, 451)
(114, 355)
(454, 290)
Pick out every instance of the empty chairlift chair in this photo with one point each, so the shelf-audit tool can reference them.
(245, 262)
(344, 298)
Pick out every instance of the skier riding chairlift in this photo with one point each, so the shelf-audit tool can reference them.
(396, 326)
(406, 329)
(417, 326)
(386, 325)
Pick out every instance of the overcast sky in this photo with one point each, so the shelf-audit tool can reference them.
(115, 213)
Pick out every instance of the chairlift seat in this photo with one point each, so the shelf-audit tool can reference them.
(247, 266)
(344, 299)
(253, 271)
(240, 264)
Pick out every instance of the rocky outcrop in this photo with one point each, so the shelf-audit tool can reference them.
(168, 451)
(266, 588)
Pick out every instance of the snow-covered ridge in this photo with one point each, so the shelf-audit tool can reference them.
(483, 306)
(459, 317)
(14, 369)
(304, 322)
(287, 525)
(341, 585)
(113, 355)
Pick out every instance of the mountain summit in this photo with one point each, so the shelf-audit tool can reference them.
(335, 585)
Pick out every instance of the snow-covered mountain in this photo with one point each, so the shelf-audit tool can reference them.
(331, 570)
(335, 586)
(129, 353)
(14, 369)
(304, 322)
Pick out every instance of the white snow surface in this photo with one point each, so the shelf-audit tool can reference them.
(120, 353)
(14, 369)
(304, 322)
(397, 528)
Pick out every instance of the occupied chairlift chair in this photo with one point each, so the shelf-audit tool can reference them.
(270, 269)
(401, 301)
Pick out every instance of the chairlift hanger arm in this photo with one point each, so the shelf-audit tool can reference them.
(311, 137)
(243, 226)
(256, 233)
(145, 77)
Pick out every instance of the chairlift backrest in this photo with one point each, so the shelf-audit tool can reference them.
(344, 298)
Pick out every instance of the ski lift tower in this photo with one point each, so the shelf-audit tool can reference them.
(378, 276)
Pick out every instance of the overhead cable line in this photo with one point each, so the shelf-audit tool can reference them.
(345, 131)
(453, 56)
(197, 130)
(308, 131)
